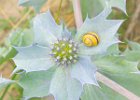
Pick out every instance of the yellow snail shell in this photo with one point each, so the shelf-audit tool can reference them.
(90, 39)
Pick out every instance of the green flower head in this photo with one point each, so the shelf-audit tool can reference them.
(55, 47)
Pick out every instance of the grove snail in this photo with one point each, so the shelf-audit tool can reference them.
(90, 39)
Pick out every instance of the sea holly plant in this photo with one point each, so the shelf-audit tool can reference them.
(56, 48)
(65, 59)
(67, 66)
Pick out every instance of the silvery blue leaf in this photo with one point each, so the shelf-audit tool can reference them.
(36, 84)
(46, 30)
(117, 69)
(71, 89)
(96, 6)
(55, 81)
(104, 28)
(4, 82)
(33, 58)
(103, 93)
(70, 79)
(37, 4)
(84, 71)
(25, 37)
(120, 4)
(118, 64)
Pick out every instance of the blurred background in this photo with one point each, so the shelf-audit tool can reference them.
(13, 16)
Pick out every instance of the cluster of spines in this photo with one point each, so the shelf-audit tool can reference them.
(64, 51)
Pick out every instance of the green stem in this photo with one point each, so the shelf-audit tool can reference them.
(7, 88)
(77, 13)
(59, 11)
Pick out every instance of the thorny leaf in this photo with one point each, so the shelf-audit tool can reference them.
(36, 4)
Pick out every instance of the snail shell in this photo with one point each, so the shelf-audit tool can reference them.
(90, 39)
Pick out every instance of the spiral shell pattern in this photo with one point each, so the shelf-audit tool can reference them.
(90, 39)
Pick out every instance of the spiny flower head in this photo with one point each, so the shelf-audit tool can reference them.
(64, 52)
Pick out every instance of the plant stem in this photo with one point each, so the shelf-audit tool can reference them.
(116, 87)
(23, 18)
(108, 82)
(59, 11)
(77, 13)
(7, 88)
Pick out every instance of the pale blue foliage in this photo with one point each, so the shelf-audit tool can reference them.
(120, 4)
(104, 93)
(106, 29)
(36, 84)
(118, 69)
(96, 6)
(4, 82)
(85, 69)
(33, 58)
(44, 77)
(46, 30)
(37, 4)
(36, 58)
(70, 88)
(25, 37)
(56, 81)
(69, 79)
